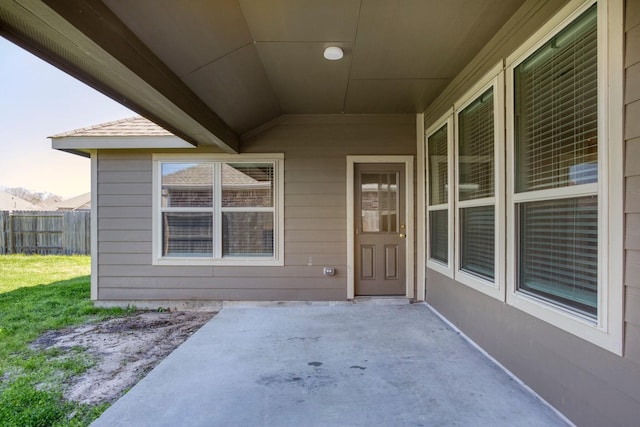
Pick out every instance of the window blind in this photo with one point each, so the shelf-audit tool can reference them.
(559, 251)
(556, 110)
(478, 241)
(438, 235)
(191, 212)
(475, 149)
(247, 234)
(438, 167)
(187, 234)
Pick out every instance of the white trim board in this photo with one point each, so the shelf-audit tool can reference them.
(94, 225)
(118, 142)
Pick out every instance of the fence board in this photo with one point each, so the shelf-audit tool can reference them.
(4, 235)
(45, 232)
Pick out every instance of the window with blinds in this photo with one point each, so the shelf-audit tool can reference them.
(247, 209)
(556, 168)
(475, 149)
(438, 198)
(217, 210)
(476, 186)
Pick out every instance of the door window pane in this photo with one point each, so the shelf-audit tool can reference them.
(477, 241)
(379, 202)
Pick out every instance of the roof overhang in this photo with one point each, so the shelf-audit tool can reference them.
(83, 145)
(213, 72)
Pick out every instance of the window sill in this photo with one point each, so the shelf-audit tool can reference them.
(229, 262)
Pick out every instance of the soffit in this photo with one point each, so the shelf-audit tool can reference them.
(252, 60)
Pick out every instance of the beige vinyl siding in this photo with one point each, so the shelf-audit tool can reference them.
(315, 150)
(591, 386)
(632, 178)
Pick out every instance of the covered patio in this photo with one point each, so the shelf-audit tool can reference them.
(373, 363)
(500, 138)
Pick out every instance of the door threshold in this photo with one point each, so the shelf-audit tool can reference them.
(382, 300)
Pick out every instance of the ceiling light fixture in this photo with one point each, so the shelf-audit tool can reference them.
(333, 53)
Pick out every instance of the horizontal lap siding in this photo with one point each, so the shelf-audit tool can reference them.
(591, 386)
(632, 184)
(315, 152)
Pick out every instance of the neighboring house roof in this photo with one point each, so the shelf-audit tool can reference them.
(81, 202)
(9, 202)
(46, 204)
(132, 126)
(130, 133)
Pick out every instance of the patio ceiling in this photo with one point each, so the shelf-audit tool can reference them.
(209, 71)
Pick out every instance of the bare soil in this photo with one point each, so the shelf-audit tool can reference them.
(124, 350)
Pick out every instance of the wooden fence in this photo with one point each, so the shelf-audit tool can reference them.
(45, 232)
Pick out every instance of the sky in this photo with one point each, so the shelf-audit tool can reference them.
(36, 101)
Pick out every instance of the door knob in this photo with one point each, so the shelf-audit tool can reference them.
(402, 235)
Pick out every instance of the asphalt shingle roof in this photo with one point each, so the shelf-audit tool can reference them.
(132, 126)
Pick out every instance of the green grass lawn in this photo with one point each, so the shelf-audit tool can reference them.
(39, 294)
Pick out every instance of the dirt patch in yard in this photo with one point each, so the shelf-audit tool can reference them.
(123, 350)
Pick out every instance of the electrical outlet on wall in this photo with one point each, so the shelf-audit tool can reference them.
(329, 271)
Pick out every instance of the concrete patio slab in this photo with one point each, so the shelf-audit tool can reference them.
(333, 365)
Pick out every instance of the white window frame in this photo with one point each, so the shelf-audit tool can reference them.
(278, 210)
(496, 288)
(607, 329)
(433, 264)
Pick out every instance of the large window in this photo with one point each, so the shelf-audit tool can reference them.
(479, 171)
(476, 164)
(439, 155)
(213, 211)
(560, 250)
(556, 168)
(565, 207)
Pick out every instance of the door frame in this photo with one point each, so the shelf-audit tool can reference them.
(410, 222)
